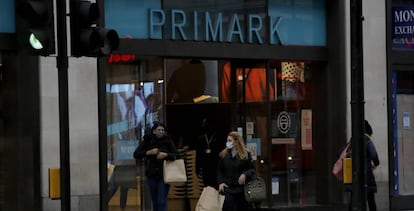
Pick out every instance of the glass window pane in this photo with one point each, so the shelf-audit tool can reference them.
(135, 93)
(405, 131)
(293, 160)
(191, 81)
(245, 81)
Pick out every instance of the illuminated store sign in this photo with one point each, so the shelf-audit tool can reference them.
(403, 27)
(220, 27)
(121, 58)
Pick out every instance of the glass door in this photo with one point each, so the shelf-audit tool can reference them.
(134, 95)
(293, 176)
(250, 87)
(403, 130)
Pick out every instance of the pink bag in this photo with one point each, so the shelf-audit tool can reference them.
(337, 168)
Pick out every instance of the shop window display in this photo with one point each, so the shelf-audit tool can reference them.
(134, 102)
(191, 81)
(253, 79)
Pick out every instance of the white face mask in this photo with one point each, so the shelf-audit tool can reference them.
(229, 145)
(160, 134)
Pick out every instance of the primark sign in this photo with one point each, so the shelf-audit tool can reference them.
(218, 27)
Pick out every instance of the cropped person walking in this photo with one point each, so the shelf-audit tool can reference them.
(156, 148)
(234, 169)
(372, 162)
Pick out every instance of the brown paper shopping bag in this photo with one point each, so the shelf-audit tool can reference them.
(210, 200)
(174, 171)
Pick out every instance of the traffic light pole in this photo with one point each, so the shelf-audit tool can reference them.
(62, 66)
(358, 198)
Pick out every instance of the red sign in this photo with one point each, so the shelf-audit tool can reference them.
(121, 58)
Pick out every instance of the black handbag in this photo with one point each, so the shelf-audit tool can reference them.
(255, 189)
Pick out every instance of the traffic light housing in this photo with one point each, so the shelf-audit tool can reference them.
(35, 26)
(87, 39)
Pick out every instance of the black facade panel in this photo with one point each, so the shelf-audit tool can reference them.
(169, 48)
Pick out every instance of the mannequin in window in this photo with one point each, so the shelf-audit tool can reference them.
(187, 82)
(208, 148)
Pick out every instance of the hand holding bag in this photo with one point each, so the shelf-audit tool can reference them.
(337, 168)
(255, 189)
(174, 171)
(210, 200)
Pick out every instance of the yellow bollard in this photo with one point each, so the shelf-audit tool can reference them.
(54, 183)
(347, 170)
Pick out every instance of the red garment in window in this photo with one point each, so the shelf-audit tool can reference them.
(255, 85)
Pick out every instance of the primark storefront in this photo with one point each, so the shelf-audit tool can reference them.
(272, 70)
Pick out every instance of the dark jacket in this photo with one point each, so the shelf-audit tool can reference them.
(371, 161)
(229, 170)
(153, 166)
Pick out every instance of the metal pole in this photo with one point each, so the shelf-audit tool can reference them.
(357, 108)
(62, 66)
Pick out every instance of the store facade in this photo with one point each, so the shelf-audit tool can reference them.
(400, 72)
(268, 69)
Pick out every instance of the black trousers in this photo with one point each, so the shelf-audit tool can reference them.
(370, 199)
(235, 202)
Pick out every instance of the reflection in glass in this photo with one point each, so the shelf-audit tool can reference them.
(404, 128)
(293, 80)
(254, 79)
(134, 95)
(191, 81)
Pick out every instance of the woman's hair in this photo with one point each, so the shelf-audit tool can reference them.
(157, 124)
(239, 146)
(368, 128)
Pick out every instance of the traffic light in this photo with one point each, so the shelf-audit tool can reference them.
(87, 39)
(35, 26)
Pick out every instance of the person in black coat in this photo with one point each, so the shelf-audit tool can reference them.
(207, 156)
(372, 162)
(235, 167)
(156, 148)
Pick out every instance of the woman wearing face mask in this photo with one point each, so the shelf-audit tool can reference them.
(235, 167)
(156, 148)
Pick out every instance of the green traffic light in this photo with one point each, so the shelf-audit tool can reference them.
(35, 42)
(35, 26)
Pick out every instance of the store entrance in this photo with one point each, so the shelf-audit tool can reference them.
(134, 101)
(270, 103)
(201, 101)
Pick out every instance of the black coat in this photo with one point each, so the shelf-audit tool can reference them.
(207, 161)
(154, 166)
(371, 161)
(229, 170)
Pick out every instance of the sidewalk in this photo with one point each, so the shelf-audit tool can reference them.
(307, 208)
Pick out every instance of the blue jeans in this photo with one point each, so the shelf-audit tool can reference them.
(159, 193)
(112, 190)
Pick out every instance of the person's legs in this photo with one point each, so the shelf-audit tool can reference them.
(162, 195)
(371, 201)
(112, 188)
(229, 202)
(123, 197)
(350, 202)
(242, 204)
(152, 186)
